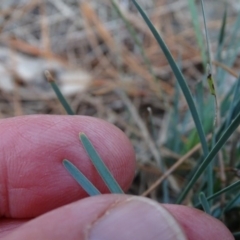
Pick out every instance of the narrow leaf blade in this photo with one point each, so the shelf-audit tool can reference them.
(59, 94)
(102, 169)
(80, 178)
(203, 200)
(228, 189)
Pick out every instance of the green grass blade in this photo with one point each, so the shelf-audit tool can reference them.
(236, 110)
(228, 189)
(80, 178)
(231, 203)
(102, 169)
(209, 172)
(223, 26)
(199, 100)
(233, 126)
(58, 93)
(226, 102)
(235, 98)
(197, 30)
(179, 77)
(221, 36)
(203, 200)
(210, 179)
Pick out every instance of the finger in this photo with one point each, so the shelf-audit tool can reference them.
(122, 217)
(197, 224)
(32, 177)
(104, 217)
(8, 225)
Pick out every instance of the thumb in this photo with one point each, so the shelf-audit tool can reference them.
(104, 217)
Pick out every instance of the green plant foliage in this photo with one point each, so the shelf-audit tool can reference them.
(210, 156)
(100, 166)
(59, 94)
(228, 189)
(203, 200)
(80, 178)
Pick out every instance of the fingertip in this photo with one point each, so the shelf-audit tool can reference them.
(136, 218)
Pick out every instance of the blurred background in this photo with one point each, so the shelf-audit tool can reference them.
(102, 72)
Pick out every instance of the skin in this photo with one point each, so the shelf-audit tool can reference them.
(40, 200)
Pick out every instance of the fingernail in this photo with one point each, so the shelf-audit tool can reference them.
(136, 218)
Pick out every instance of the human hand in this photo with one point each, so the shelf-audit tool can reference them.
(33, 182)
